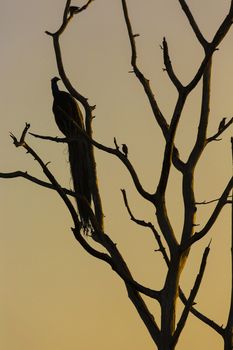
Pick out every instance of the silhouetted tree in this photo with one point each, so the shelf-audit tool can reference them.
(165, 331)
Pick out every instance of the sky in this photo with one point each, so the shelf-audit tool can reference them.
(52, 294)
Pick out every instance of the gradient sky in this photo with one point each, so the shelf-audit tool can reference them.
(52, 294)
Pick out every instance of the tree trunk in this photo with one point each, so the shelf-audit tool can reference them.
(168, 307)
(228, 339)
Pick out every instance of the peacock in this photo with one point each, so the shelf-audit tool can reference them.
(69, 119)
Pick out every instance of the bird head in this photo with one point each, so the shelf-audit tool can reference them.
(55, 79)
(74, 9)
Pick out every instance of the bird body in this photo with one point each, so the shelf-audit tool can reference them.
(125, 149)
(222, 124)
(66, 110)
(69, 120)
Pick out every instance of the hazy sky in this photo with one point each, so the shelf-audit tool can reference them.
(52, 294)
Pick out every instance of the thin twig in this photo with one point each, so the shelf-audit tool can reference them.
(219, 132)
(213, 217)
(34, 179)
(211, 201)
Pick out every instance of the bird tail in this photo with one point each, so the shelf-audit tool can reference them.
(80, 165)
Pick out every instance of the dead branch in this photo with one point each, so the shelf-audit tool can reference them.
(204, 118)
(148, 225)
(222, 201)
(219, 132)
(192, 296)
(200, 316)
(145, 82)
(33, 179)
(212, 201)
(169, 69)
(193, 23)
(52, 138)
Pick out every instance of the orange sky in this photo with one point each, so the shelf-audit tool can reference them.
(52, 294)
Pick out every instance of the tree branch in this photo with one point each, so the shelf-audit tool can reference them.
(161, 210)
(170, 145)
(219, 132)
(200, 316)
(193, 23)
(188, 190)
(145, 82)
(169, 68)
(122, 269)
(229, 326)
(222, 201)
(191, 297)
(146, 224)
(212, 201)
(31, 178)
(204, 117)
(211, 48)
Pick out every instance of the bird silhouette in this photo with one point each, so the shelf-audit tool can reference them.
(222, 124)
(69, 119)
(74, 9)
(125, 149)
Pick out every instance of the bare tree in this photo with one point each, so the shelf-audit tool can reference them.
(165, 331)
